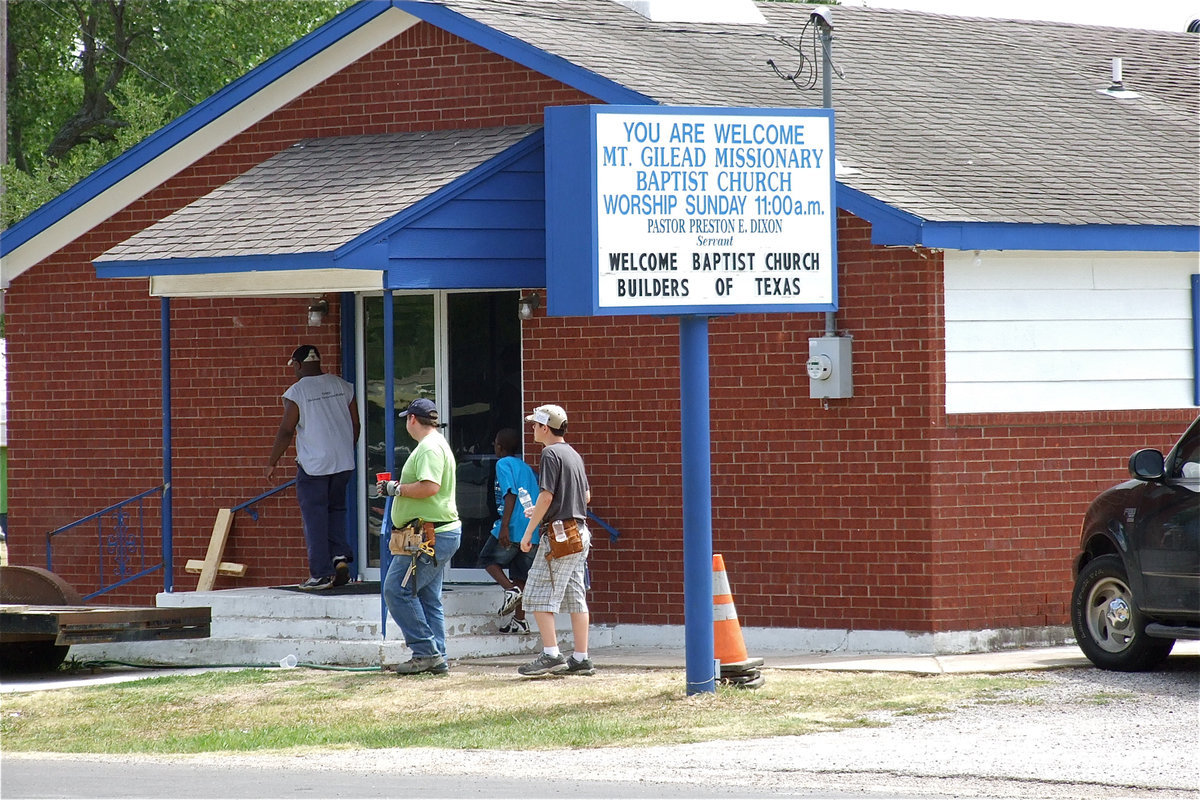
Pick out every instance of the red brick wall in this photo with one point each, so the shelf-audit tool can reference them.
(876, 512)
(84, 354)
(822, 514)
(1010, 492)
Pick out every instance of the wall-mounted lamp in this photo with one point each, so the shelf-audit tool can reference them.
(527, 305)
(317, 311)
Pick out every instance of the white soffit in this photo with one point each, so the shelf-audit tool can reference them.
(270, 98)
(726, 12)
(267, 283)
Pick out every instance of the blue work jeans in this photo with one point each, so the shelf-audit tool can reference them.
(323, 510)
(417, 606)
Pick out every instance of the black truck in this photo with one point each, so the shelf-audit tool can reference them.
(1137, 574)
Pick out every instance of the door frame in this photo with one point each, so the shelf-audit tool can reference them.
(441, 368)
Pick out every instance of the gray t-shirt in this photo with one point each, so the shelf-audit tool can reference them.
(561, 473)
(325, 433)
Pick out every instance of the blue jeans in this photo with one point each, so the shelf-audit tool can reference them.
(417, 607)
(323, 510)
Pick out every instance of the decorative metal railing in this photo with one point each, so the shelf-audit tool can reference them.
(120, 547)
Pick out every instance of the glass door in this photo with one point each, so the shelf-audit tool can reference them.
(463, 351)
(484, 346)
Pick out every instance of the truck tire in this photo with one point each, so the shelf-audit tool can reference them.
(1108, 627)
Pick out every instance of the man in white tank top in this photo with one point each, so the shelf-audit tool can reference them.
(320, 413)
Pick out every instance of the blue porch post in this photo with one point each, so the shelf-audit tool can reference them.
(697, 504)
(389, 442)
(168, 546)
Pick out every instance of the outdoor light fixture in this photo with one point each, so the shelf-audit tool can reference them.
(527, 305)
(317, 311)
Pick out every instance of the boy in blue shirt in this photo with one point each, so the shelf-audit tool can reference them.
(501, 549)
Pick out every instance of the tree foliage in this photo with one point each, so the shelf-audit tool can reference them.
(87, 79)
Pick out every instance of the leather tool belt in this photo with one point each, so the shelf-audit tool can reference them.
(562, 543)
(415, 536)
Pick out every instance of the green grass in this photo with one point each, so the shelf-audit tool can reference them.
(266, 710)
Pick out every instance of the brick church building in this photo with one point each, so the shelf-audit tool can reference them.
(1016, 267)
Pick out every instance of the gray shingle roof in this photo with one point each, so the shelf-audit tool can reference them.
(949, 118)
(952, 119)
(318, 194)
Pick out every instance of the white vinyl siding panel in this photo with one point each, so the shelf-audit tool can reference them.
(1034, 331)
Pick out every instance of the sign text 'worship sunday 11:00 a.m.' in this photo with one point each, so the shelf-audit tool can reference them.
(715, 210)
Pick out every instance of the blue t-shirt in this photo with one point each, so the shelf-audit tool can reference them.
(511, 474)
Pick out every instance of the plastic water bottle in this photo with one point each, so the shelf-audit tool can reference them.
(523, 496)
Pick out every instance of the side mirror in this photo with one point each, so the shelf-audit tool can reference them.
(1146, 465)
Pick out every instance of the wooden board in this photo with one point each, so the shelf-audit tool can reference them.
(216, 548)
(68, 625)
(224, 568)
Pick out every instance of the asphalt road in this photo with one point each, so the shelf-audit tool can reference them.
(1084, 734)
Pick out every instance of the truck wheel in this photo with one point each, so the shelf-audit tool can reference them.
(1109, 629)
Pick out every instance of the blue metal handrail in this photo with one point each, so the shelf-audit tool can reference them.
(248, 505)
(120, 544)
(613, 533)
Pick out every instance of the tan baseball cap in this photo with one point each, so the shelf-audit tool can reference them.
(551, 416)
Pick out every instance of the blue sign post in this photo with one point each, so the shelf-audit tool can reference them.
(690, 212)
(697, 504)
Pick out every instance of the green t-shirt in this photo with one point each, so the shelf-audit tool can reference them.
(431, 461)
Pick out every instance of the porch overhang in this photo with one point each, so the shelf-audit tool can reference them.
(424, 210)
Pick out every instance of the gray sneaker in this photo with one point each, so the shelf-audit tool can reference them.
(435, 665)
(581, 667)
(545, 664)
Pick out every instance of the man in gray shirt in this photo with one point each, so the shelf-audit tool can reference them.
(557, 585)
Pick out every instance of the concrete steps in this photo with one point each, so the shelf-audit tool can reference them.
(262, 626)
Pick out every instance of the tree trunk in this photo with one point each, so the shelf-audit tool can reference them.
(103, 65)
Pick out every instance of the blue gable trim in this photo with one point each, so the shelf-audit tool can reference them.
(1196, 340)
(191, 122)
(484, 230)
(1051, 236)
(525, 54)
(891, 226)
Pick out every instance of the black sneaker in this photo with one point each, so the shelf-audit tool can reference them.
(582, 667)
(515, 626)
(341, 570)
(512, 597)
(316, 584)
(545, 664)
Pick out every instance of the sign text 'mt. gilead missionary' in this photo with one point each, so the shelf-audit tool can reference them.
(671, 210)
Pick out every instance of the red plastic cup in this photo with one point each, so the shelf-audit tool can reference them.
(380, 477)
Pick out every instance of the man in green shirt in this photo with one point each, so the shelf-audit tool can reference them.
(425, 491)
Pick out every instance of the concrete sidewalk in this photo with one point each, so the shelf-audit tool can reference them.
(1003, 661)
(628, 657)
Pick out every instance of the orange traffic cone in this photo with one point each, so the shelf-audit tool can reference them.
(728, 646)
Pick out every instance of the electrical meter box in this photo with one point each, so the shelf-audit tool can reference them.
(829, 367)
